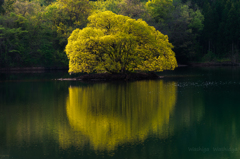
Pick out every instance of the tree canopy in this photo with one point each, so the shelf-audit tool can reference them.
(35, 33)
(116, 43)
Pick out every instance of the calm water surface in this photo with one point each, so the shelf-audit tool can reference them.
(192, 113)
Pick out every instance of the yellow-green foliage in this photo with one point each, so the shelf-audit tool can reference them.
(117, 43)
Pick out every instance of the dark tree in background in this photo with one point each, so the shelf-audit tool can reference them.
(1, 8)
(221, 34)
(35, 32)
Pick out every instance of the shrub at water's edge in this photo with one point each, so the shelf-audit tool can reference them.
(115, 43)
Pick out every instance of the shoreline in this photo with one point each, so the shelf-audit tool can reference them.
(42, 69)
(205, 64)
(31, 69)
(118, 76)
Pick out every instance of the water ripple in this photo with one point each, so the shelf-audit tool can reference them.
(206, 83)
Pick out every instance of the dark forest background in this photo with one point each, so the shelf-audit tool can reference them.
(35, 32)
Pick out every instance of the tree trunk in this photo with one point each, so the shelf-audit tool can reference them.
(208, 45)
(123, 70)
(232, 53)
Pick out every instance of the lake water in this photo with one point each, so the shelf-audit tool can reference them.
(191, 113)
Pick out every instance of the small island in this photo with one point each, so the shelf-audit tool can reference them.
(114, 77)
(115, 52)
(119, 76)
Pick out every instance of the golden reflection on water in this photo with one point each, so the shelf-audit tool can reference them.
(109, 115)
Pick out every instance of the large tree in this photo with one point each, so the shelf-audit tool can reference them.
(117, 43)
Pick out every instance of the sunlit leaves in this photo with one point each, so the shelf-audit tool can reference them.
(116, 43)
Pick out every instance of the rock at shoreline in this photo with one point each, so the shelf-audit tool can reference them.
(119, 76)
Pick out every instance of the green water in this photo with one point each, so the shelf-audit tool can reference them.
(191, 113)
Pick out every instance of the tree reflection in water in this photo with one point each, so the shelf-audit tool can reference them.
(111, 114)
